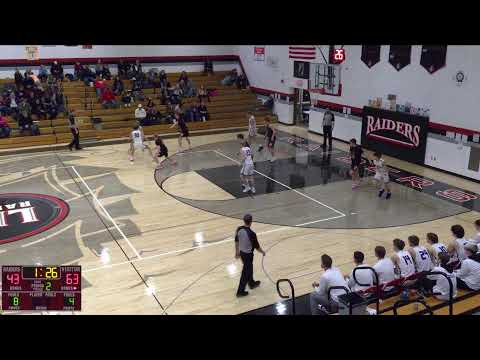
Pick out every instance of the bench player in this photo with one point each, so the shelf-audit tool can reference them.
(137, 141)
(247, 168)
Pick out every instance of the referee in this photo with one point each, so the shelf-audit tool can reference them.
(328, 123)
(245, 242)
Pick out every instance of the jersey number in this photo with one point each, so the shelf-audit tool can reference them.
(407, 260)
(423, 254)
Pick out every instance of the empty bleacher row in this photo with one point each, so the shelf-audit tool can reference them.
(227, 110)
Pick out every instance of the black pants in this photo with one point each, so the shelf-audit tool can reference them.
(247, 271)
(76, 139)
(327, 133)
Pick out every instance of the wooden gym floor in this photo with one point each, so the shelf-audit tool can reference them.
(166, 254)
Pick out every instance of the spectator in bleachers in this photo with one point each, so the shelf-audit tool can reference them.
(384, 266)
(140, 113)
(202, 94)
(439, 285)
(99, 86)
(108, 99)
(135, 70)
(25, 115)
(43, 73)
(60, 102)
(4, 128)
(18, 78)
(127, 98)
(241, 82)
(87, 75)
(459, 241)
(13, 102)
(57, 70)
(106, 74)
(49, 106)
(230, 78)
(4, 105)
(402, 259)
(208, 67)
(99, 68)
(468, 276)
(118, 86)
(163, 78)
(183, 76)
(193, 113)
(27, 73)
(77, 71)
(152, 78)
(153, 116)
(203, 112)
(476, 238)
(121, 70)
(363, 276)
(331, 277)
(36, 107)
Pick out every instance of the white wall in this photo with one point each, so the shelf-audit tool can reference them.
(263, 76)
(448, 103)
(60, 51)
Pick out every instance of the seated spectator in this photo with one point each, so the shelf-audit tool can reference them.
(98, 68)
(13, 103)
(331, 277)
(203, 112)
(108, 99)
(127, 98)
(189, 89)
(153, 116)
(77, 71)
(162, 77)
(106, 74)
(230, 78)
(208, 67)
(402, 259)
(49, 107)
(27, 73)
(135, 70)
(152, 78)
(384, 267)
(468, 276)
(150, 103)
(363, 276)
(476, 238)
(242, 82)
(122, 72)
(18, 78)
(193, 114)
(43, 73)
(25, 115)
(137, 90)
(4, 128)
(60, 102)
(140, 113)
(202, 94)
(440, 286)
(87, 75)
(118, 86)
(99, 86)
(57, 71)
(183, 76)
(4, 105)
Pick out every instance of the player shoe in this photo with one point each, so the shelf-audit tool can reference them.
(130, 158)
(380, 193)
(253, 190)
(260, 148)
(389, 195)
(254, 284)
(242, 293)
(246, 189)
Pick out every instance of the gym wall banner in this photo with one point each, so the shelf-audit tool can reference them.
(394, 133)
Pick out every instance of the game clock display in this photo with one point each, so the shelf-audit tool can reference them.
(55, 288)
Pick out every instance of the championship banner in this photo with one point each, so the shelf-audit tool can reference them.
(394, 133)
(32, 52)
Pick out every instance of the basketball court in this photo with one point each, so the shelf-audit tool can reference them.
(160, 241)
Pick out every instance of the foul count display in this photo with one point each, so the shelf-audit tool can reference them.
(56, 288)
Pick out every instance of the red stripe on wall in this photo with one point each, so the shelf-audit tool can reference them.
(301, 48)
(302, 57)
(302, 53)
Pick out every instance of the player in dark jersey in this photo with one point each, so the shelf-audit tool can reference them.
(270, 138)
(183, 130)
(162, 150)
(356, 157)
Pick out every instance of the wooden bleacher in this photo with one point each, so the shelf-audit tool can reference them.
(227, 110)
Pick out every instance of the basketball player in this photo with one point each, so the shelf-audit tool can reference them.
(246, 171)
(381, 175)
(252, 128)
(476, 238)
(183, 131)
(459, 241)
(356, 157)
(270, 138)
(137, 141)
(435, 247)
(420, 255)
(162, 150)
(402, 259)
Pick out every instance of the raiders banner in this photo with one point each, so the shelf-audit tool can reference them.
(397, 134)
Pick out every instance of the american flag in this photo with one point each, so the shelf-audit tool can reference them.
(304, 52)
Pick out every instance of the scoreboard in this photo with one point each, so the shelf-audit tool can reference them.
(55, 288)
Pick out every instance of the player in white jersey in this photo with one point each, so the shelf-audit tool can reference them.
(435, 247)
(252, 128)
(459, 241)
(137, 141)
(420, 255)
(402, 259)
(476, 238)
(381, 175)
(247, 167)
